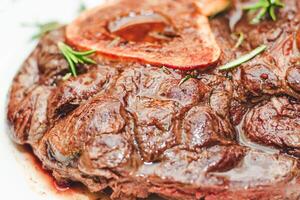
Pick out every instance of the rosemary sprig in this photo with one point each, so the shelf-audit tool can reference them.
(243, 58)
(262, 7)
(66, 76)
(75, 57)
(82, 7)
(186, 78)
(45, 28)
(166, 70)
(239, 41)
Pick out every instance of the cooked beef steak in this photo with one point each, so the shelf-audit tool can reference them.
(131, 127)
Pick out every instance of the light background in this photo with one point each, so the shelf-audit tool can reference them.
(17, 179)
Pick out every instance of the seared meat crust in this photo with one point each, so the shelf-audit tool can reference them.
(131, 127)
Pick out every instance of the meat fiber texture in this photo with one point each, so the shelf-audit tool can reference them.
(130, 126)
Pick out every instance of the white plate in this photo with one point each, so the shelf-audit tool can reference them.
(19, 178)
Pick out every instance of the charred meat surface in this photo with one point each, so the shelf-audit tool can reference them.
(132, 126)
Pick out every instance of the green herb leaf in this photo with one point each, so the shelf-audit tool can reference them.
(186, 78)
(82, 7)
(166, 70)
(75, 57)
(272, 13)
(239, 41)
(67, 76)
(45, 28)
(258, 5)
(261, 13)
(262, 7)
(243, 58)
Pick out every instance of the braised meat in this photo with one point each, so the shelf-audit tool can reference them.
(283, 127)
(135, 127)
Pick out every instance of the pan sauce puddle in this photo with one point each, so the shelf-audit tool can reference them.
(244, 141)
(42, 182)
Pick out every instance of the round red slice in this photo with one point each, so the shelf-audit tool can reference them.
(163, 33)
(298, 39)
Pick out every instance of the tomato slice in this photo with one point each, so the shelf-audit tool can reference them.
(212, 7)
(163, 33)
(298, 39)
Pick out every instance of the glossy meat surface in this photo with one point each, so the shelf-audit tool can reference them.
(131, 127)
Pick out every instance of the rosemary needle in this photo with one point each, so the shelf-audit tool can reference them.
(262, 7)
(243, 58)
(66, 77)
(75, 57)
(45, 28)
(186, 78)
(82, 7)
(239, 41)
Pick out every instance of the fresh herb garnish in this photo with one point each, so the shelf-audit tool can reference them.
(243, 58)
(45, 28)
(66, 76)
(166, 70)
(75, 57)
(262, 7)
(82, 7)
(239, 41)
(186, 78)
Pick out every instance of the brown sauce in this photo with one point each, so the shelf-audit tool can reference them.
(64, 192)
(244, 141)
